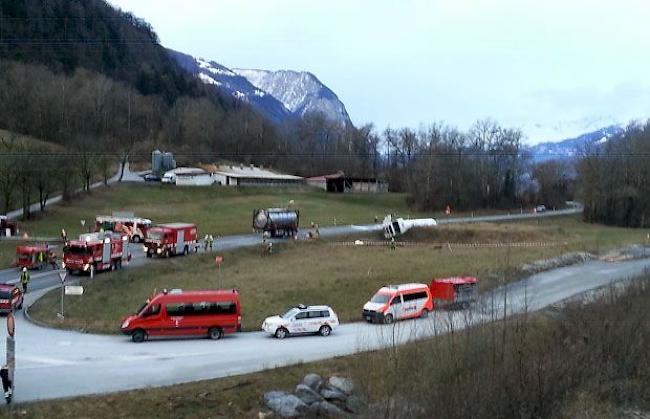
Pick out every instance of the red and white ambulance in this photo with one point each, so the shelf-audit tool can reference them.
(171, 239)
(209, 313)
(398, 302)
(95, 252)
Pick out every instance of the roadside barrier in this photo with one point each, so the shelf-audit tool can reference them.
(447, 244)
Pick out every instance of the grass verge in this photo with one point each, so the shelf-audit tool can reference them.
(321, 272)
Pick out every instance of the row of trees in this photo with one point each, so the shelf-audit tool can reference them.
(614, 182)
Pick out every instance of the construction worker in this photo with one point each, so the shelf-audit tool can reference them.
(24, 279)
(41, 261)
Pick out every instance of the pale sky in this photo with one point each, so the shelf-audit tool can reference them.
(554, 68)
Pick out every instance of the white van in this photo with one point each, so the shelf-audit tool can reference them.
(398, 302)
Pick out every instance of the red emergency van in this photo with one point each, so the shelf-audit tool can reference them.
(209, 313)
(456, 292)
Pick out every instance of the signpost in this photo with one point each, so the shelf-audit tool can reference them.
(11, 355)
(219, 261)
(62, 275)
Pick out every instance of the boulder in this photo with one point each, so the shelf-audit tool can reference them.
(342, 384)
(314, 381)
(330, 393)
(307, 394)
(326, 409)
(354, 404)
(284, 404)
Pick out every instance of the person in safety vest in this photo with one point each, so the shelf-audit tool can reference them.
(24, 279)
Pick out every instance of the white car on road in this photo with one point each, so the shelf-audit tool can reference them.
(302, 319)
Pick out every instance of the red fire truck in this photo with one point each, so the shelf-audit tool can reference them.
(456, 292)
(171, 239)
(28, 256)
(134, 227)
(95, 252)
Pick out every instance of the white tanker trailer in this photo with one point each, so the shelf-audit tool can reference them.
(276, 222)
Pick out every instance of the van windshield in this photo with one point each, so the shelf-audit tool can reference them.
(380, 298)
(77, 250)
(290, 313)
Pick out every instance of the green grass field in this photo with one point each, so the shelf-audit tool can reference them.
(322, 272)
(222, 211)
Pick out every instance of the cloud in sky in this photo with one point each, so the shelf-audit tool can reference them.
(538, 65)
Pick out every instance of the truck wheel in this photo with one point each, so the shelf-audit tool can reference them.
(281, 333)
(325, 330)
(215, 333)
(138, 336)
(388, 319)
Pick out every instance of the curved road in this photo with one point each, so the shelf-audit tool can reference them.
(55, 363)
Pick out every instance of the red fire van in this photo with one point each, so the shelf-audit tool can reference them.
(209, 313)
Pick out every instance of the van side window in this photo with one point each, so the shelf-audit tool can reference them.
(201, 308)
(325, 313)
(414, 296)
(152, 310)
(302, 315)
(177, 309)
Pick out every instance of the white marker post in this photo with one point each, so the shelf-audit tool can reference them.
(218, 260)
(62, 275)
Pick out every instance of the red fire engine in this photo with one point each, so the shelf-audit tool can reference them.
(96, 252)
(171, 239)
(134, 227)
(28, 256)
(455, 292)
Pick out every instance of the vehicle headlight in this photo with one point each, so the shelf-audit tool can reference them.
(125, 324)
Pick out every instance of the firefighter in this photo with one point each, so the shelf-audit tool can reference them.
(64, 235)
(205, 243)
(24, 279)
(210, 241)
(53, 260)
(393, 246)
(41, 261)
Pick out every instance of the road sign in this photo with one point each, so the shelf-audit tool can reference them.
(74, 290)
(62, 275)
(11, 324)
(218, 260)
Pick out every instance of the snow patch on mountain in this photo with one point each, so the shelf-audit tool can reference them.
(572, 147)
(300, 92)
(231, 83)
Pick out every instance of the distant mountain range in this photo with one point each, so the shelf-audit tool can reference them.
(278, 95)
(572, 147)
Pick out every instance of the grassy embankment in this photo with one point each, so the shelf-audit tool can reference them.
(585, 361)
(323, 273)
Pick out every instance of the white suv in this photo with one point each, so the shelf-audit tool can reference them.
(302, 319)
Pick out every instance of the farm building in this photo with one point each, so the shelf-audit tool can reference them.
(188, 176)
(338, 182)
(240, 175)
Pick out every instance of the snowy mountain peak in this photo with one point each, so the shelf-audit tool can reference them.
(571, 147)
(301, 92)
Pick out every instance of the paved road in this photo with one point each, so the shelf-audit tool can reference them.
(55, 363)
